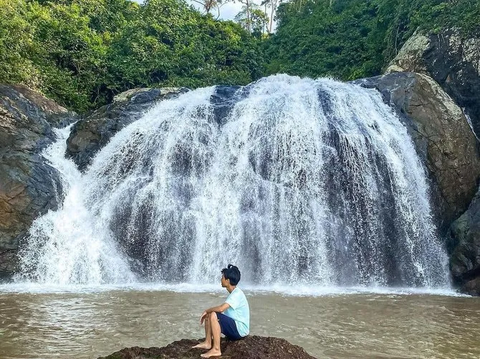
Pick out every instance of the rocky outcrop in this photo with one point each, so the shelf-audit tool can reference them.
(28, 185)
(465, 247)
(90, 134)
(251, 347)
(223, 100)
(442, 137)
(451, 60)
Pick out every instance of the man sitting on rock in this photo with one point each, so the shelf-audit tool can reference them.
(232, 318)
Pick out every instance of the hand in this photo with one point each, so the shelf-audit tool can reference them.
(203, 317)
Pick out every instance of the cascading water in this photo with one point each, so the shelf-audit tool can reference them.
(72, 245)
(296, 181)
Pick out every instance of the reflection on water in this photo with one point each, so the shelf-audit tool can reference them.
(86, 325)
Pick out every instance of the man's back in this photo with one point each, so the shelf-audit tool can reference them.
(239, 311)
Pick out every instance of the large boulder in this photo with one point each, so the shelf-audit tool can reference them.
(452, 60)
(442, 136)
(251, 347)
(29, 186)
(92, 133)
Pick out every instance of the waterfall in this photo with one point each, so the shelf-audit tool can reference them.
(296, 181)
(71, 245)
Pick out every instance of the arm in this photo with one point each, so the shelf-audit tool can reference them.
(218, 308)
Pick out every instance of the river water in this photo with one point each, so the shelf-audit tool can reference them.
(87, 323)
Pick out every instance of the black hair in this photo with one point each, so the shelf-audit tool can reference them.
(231, 273)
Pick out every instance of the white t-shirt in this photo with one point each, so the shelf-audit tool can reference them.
(239, 311)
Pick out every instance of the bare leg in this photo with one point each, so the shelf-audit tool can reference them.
(207, 344)
(215, 351)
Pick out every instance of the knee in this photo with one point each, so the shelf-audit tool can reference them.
(213, 316)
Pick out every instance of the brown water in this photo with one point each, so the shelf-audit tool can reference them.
(86, 325)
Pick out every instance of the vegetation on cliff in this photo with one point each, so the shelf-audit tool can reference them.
(350, 39)
(83, 52)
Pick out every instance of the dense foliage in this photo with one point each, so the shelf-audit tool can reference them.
(348, 39)
(83, 52)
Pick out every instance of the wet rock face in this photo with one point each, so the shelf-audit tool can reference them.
(29, 186)
(442, 136)
(465, 246)
(223, 101)
(454, 62)
(251, 347)
(92, 133)
(451, 60)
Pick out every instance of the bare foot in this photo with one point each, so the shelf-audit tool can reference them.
(203, 345)
(211, 353)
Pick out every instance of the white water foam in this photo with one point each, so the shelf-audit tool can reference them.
(284, 290)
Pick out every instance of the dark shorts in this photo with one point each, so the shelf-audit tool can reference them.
(228, 327)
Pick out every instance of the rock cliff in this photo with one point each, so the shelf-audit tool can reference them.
(465, 246)
(452, 60)
(442, 137)
(29, 186)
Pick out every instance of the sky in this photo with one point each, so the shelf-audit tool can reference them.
(227, 11)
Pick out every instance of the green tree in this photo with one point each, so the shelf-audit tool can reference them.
(171, 44)
(83, 52)
(70, 55)
(253, 19)
(16, 42)
(349, 39)
(324, 38)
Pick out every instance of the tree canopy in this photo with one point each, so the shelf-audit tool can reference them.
(349, 39)
(83, 52)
